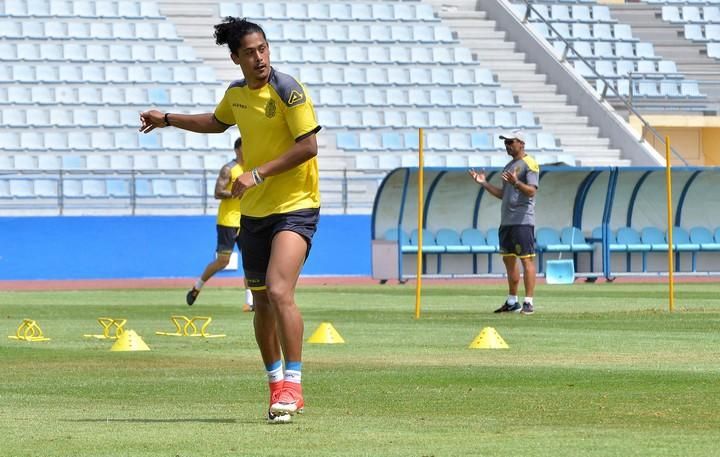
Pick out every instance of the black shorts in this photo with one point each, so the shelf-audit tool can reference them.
(257, 233)
(517, 240)
(227, 237)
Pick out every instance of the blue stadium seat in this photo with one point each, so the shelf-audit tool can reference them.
(704, 238)
(429, 245)
(94, 162)
(168, 162)
(45, 188)
(163, 187)
(93, 188)
(129, 140)
(22, 188)
(475, 240)
(574, 237)
(450, 241)
(346, 140)
(319, 11)
(395, 234)
(548, 240)
(482, 141)
(191, 162)
(392, 141)
(24, 162)
(72, 162)
(189, 187)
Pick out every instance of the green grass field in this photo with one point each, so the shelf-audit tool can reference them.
(599, 370)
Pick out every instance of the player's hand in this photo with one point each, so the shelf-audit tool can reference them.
(151, 120)
(510, 177)
(479, 177)
(241, 184)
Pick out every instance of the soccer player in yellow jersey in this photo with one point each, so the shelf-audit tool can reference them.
(228, 226)
(279, 196)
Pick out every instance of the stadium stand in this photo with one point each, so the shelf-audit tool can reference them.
(625, 62)
(407, 35)
(377, 71)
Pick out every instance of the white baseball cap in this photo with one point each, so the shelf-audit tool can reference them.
(514, 135)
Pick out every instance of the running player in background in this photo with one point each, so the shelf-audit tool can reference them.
(228, 226)
(280, 197)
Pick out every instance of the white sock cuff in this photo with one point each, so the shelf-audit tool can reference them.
(293, 376)
(275, 375)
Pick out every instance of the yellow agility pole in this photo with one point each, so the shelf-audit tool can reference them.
(421, 177)
(671, 267)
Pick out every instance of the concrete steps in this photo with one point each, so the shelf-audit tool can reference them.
(670, 43)
(493, 51)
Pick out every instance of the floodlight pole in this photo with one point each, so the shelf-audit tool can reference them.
(671, 267)
(421, 186)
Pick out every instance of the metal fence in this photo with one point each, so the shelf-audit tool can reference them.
(67, 192)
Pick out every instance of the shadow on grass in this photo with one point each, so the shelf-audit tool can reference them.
(162, 421)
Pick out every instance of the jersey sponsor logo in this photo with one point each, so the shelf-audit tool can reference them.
(295, 98)
(270, 109)
(239, 105)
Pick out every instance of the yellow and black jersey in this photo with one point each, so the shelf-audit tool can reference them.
(229, 209)
(271, 119)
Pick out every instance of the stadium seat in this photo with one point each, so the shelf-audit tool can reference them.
(24, 162)
(143, 187)
(655, 238)
(45, 188)
(93, 188)
(548, 240)
(450, 240)
(704, 238)
(21, 188)
(475, 240)
(395, 234)
(574, 237)
(189, 187)
(429, 245)
(168, 162)
(72, 162)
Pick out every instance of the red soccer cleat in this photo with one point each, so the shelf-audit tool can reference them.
(290, 401)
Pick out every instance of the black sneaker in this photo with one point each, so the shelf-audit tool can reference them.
(192, 296)
(527, 308)
(508, 308)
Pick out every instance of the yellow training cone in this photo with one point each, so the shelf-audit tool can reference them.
(326, 334)
(488, 338)
(129, 341)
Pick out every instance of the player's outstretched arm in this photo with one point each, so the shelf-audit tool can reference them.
(200, 123)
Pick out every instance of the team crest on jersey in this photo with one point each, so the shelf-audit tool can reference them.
(295, 98)
(270, 109)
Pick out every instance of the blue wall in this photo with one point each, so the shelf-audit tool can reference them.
(154, 247)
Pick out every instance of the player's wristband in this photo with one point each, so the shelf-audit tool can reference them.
(257, 179)
(167, 121)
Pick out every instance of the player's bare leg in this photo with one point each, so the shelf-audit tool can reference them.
(267, 340)
(513, 273)
(286, 260)
(529, 280)
(513, 278)
(213, 267)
